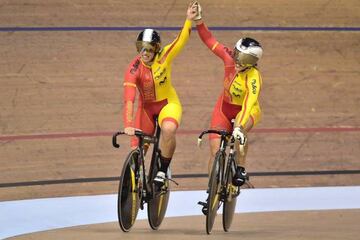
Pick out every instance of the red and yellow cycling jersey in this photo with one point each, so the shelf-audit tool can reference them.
(154, 82)
(240, 88)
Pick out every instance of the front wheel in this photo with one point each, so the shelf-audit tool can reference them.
(214, 188)
(230, 200)
(158, 202)
(129, 192)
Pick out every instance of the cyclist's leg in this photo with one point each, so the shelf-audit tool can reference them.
(145, 122)
(255, 115)
(240, 158)
(241, 175)
(219, 121)
(169, 120)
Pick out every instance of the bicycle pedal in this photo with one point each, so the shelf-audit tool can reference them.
(204, 208)
(204, 204)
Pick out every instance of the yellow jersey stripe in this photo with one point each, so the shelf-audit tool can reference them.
(215, 45)
(129, 84)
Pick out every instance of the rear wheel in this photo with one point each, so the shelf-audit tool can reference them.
(229, 201)
(158, 203)
(214, 188)
(129, 192)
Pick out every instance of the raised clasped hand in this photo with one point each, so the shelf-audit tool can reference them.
(192, 11)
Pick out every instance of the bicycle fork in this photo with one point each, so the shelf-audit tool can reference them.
(230, 191)
(142, 185)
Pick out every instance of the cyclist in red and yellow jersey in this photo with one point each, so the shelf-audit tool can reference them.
(239, 97)
(150, 73)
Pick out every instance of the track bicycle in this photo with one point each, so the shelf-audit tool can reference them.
(137, 188)
(220, 187)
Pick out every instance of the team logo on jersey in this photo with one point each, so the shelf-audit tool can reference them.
(236, 95)
(135, 66)
(162, 81)
(160, 75)
(253, 86)
(237, 89)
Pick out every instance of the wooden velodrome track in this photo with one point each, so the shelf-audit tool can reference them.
(61, 98)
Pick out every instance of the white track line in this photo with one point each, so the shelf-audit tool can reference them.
(26, 216)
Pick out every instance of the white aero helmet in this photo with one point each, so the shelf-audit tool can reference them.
(247, 52)
(148, 38)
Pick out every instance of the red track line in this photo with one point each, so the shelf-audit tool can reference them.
(180, 132)
(320, 129)
(288, 130)
(54, 136)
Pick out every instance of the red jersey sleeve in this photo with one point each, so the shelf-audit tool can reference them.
(130, 81)
(217, 48)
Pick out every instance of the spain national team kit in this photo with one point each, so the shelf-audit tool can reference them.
(239, 98)
(157, 94)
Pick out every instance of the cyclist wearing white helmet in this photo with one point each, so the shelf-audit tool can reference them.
(150, 73)
(239, 97)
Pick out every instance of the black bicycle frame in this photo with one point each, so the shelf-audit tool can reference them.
(230, 159)
(143, 139)
(224, 143)
(155, 152)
